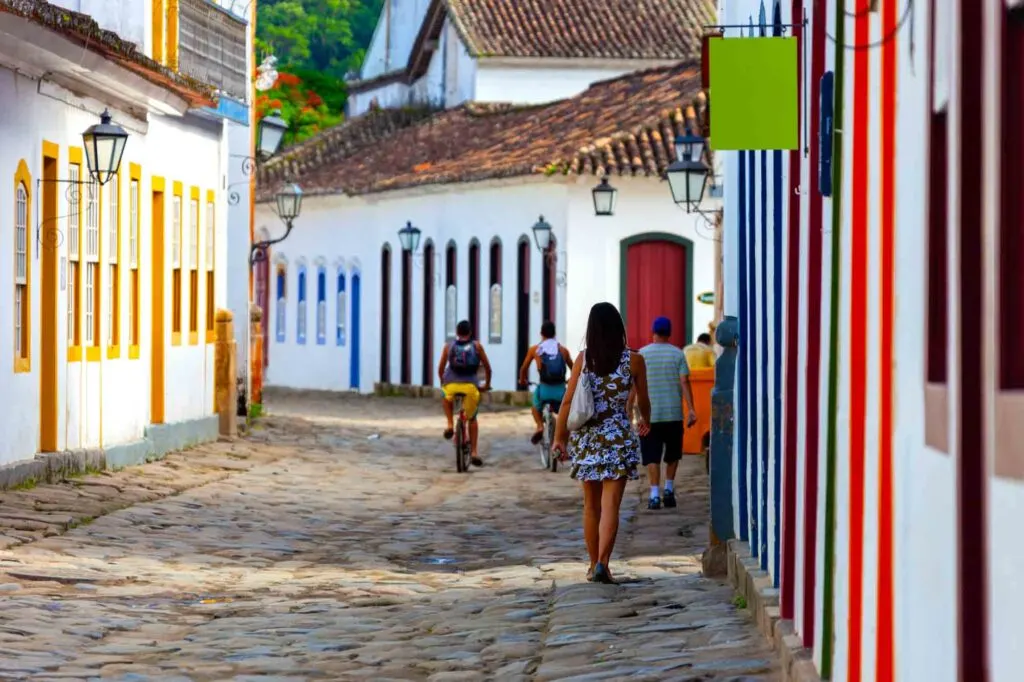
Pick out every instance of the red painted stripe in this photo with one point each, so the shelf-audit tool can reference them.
(813, 336)
(885, 648)
(789, 503)
(857, 343)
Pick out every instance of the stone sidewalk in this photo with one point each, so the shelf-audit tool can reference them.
(337, 543)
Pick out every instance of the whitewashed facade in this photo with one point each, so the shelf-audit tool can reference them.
(346, 237)
(893, 480)
(88, 349)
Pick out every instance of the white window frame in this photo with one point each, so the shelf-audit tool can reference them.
(21, 265)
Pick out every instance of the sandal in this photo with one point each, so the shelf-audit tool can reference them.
(476, 461)
(536, 437)
(449, 434)
(601, 575)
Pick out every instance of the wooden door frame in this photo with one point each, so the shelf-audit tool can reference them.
(679, 240)
(157, 302)
(49, 384)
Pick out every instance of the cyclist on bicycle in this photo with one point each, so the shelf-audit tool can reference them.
(460, 364)
(553, 361)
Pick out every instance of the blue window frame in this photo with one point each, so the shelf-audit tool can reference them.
(321, 306)
(340, 310)
(300, 317)
(281, 303)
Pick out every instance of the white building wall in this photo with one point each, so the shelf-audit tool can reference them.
(105, 402)
(536, 81)
(393, 38)
(348, 229)
(127, 18)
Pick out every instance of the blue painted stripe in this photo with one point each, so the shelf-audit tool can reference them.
(355, 334)
(755, 528)
(765, 387)
(741, 356)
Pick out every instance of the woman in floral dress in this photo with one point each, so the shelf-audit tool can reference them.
(606, 450)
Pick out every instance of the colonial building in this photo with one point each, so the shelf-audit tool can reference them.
(348, 307)
(112, 286)
(878, 471)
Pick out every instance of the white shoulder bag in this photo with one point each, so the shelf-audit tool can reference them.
(581, 410)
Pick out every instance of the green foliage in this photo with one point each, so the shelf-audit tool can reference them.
(316, 43)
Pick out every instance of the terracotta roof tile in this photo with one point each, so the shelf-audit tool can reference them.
(82, 29)
(608, 29)
(624, 126)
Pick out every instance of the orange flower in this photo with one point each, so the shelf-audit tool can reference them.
(287, 79)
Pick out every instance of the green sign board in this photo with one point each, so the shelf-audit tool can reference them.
(706, 297)
(754, 94)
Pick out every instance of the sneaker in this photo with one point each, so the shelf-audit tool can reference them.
(476, 461)
(670, 499)
(654, 503)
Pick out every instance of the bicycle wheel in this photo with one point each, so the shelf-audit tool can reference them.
(545, 442)
(550, 429)
(459, 439)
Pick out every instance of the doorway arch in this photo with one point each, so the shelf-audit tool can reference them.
(474, 287)
(428, 313)
(451, 290)
(522, 305)
(549, 285)
(406, 371)
(385, 314)
(656, 278)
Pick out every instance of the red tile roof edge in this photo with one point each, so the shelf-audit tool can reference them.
(83, 29)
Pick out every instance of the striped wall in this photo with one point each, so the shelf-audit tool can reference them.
(871, 491)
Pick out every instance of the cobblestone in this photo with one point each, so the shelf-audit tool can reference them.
(337, 543)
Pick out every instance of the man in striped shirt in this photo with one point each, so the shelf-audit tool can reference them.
(668, 382)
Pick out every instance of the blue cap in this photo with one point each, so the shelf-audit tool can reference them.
(662, 326)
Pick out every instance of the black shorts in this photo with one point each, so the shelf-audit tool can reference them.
(667, 436)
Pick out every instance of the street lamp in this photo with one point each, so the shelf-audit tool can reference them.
(104, 145)
(269, 133)
(542, 234)
(688, 175)
(289, 205)
(409, 237)
(604, 198)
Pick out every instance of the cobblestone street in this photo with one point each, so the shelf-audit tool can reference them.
(338, 543)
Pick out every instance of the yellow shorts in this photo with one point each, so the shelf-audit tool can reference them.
(471, 401)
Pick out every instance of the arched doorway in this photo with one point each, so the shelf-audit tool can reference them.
(474, 287)
(428, 313)
(451, 291)
(657, 279)
(406, 317)
(495, 317)
(385, 314)
(354, 334)
(549, 285)
(522, 306)
(262, 293)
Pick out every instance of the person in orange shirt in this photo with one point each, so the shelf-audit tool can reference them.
(700, 354)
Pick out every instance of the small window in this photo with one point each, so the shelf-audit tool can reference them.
(114, 267)
(22, 299)
(321, 306)
(341, 313)
(74, 257)
(494, 320)
(134, 287)
(300, 316)
(176, 269)
(92, 257)
(282, 303)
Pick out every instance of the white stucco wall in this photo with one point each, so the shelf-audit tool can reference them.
(350, 229)
(237, 237)
(108, 401)
(396, 30)
(536, 81)
(126, 18)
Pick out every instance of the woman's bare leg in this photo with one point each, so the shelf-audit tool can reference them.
(611, 500)
(591, 518)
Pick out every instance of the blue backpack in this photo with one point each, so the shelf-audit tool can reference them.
(463, 358)
(552, 369)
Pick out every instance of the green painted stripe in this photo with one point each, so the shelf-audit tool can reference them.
(828, 616)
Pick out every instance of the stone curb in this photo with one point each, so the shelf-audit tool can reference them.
(755, 586)
(159, 440)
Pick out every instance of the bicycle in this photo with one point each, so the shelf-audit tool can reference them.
(548, 416)
(461, 438)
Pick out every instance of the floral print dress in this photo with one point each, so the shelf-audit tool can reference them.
(606, 448)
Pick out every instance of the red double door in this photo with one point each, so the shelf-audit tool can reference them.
(655, 286)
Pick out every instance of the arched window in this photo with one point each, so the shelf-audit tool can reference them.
(340, 312)
(451, 291)
(282, 302)
(22, 299)
(300, 315)
(494, 318)
(428, 313)
(321, 305)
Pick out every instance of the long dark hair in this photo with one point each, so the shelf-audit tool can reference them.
(606, 339)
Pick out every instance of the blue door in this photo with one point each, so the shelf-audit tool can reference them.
(354, 362)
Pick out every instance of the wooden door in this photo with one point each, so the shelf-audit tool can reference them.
(48, 374)
(656, 275)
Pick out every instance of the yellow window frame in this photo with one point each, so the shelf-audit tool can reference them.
(22, 177)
